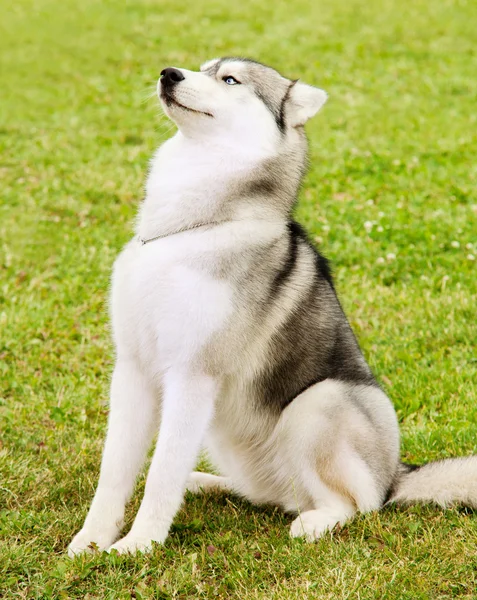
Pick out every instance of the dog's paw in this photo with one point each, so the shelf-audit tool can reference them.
(312, 524)
(198, 482)
(202, 482)
(130, 544)
(88, 542)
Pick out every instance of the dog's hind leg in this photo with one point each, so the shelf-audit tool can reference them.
(338, 489)
(312, 524)
(338, 445)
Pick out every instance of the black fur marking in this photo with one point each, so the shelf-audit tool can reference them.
(403, 470)
(315, 342)
(389, 494)
(281, 117)
(271, 107)
(342, 362)
(410, 468)
(264, 186)
(323, 266)
(284, 274)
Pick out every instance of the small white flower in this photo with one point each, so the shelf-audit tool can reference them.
(370, 202)
(470, 257)
(326, 228)
(469, 246)
(380, 261)
(390, 256)
(368, 225)
(380, 229)
(455, 244)
(380, 214)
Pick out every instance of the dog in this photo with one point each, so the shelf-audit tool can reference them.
(229, 334)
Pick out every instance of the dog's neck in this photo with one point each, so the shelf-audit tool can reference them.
(192, 182)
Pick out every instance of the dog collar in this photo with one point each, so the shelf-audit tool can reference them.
(144, 241)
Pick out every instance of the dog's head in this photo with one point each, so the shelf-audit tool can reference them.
(237, 101)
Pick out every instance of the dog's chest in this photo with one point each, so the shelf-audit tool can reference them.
(165, 306)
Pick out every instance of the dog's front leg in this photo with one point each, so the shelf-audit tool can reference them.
(132, 423)
(187, 409)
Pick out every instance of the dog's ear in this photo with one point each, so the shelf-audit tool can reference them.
(304, 101)
(209, 64)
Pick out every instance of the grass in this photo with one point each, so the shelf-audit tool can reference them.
(390, 197)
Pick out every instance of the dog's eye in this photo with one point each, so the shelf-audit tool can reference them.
(229, 80)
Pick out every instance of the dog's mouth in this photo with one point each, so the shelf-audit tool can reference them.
(169, 99)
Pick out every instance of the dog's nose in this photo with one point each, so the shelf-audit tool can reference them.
(171, 76)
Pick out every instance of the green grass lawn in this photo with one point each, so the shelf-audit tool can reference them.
(391, 199)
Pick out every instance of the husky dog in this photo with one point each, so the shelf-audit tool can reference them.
(229, 334)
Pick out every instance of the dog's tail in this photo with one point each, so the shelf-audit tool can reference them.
(445, 482)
